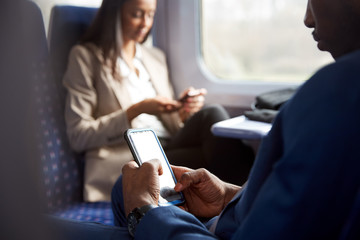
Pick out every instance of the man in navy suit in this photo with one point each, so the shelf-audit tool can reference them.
(305, 181)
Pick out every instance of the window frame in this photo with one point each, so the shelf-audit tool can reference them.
(177, 31)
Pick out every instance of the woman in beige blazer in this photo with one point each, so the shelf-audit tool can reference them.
(115, 83)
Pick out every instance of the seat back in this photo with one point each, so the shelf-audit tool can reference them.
(67, 25)
(61, 168)
(21, 47)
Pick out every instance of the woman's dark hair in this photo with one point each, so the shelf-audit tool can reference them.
(105, 31)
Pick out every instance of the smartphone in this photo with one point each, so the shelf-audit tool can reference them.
(191, 93)
(144, 146)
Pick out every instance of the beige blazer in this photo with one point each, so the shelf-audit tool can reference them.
(96, 118)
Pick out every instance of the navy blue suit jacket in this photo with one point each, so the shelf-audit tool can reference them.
(306, 176)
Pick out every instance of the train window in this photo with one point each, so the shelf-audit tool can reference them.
(262, 40)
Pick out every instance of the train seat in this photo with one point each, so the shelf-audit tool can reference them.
(62, 169)
(67, 25)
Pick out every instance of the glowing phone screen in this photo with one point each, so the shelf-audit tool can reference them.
(146, 147)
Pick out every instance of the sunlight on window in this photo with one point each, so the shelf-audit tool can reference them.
(263, 40)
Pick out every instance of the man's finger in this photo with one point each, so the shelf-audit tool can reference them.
(130, 165)
(155, 164)
(185, 181)
(179, 171)
(192, 177)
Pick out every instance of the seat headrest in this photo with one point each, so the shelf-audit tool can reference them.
(67, 25)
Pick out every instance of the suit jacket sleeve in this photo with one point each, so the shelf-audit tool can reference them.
(306, 187)
(171, 223)
(84, 130)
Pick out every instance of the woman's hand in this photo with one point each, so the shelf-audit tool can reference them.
(153, 106)
(205, 194)
(191, 103)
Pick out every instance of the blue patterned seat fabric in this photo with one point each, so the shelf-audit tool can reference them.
(94, 212)
(62, 169)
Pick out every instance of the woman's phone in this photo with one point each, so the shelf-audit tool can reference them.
(191, 93)
(144, 146)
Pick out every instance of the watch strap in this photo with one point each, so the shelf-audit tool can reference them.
(136, 215)
(144, 209)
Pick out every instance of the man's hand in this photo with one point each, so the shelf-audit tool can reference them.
(141, 184)
(205, 194)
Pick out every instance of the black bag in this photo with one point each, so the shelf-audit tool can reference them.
(267, 105)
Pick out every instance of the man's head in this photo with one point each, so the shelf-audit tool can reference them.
(336, 25)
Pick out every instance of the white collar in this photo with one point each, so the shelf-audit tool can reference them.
(138, 51)
(124, 68)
